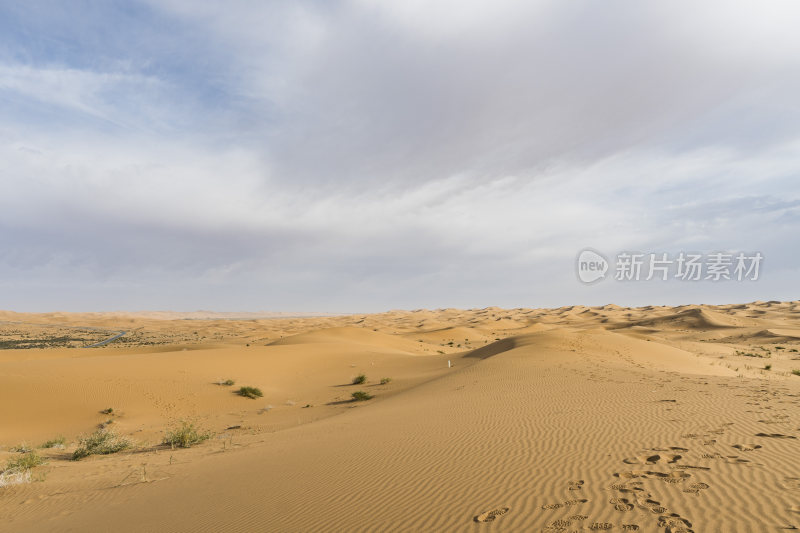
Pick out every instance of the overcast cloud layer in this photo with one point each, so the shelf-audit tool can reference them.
(368, 155)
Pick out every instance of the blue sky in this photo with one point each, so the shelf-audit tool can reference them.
(365, 155)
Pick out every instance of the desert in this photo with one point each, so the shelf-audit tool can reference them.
(569, 419)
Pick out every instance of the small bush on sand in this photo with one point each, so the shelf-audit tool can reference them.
(384, 381)
(21, 448)
(360, 396)
(101, 442)
(24, 463)
(359, 379)
(796, 372)
(58, 442)
(107, 411)
(185, 436)
(250, 392)
(227, 383)
(767, 367)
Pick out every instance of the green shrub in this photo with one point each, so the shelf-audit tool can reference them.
(767, 367)
(250, 392)
(359, 379)
(360, 396)
(26, 462)
(58, 442)
(22, 447)
(107, 411)
(384, 381)
(185, 436)
(101, 442)
(796, 372)
(228, 383)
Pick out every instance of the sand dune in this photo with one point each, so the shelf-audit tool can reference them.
(573, 419)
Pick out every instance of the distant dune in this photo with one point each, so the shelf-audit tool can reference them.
(653, 419)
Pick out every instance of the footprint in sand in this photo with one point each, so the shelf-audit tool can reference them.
(576, 485)
(557, 525)
(791, 483)
(746, 447)
(775, 436)
(676, 476)
(564, 504)
(673, 523)
(652, 459)
(489, 516)
(630, 527)
(695, 488)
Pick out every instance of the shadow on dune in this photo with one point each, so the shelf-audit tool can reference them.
(495, 348)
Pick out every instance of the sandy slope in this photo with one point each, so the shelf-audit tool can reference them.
(571, 419)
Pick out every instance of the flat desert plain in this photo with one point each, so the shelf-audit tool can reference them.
(662, 419)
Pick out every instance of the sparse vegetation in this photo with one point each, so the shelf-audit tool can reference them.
(359, 379)
(107, 411)
(750, 354)
(796, 372)
(384, 381)
(360, 396)
(101, 442)
(767, 367)
(22, 447)
(250, 392)
(185, 436)
(58, 442)
(24, 463)
(227, 383)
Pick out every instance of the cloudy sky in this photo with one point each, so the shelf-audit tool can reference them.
(368, 155)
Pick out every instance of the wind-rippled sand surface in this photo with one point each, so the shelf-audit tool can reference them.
(658, 419)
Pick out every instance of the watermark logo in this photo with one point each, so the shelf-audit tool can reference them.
(662, 266)
(592, 266)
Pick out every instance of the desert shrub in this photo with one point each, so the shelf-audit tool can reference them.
(22, 447)
(185, 436)
(359, 379)
(384, 381)
(101, 442)
(767, 367)
(250, 392)
(228, 383)
(796, 372)
(360, 396)
(26, 462)
(58, 442)
(107, 411)
(12, 477)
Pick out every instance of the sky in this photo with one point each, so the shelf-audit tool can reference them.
(365, 155)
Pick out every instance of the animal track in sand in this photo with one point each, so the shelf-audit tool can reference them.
(746, 447)
(489, 516)
(630, 527)
(599, 526)
(775, 436)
